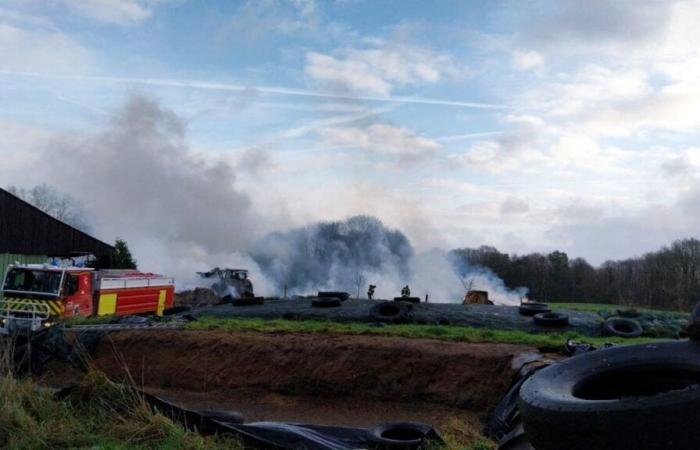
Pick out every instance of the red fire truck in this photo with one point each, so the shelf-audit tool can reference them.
(34, 295)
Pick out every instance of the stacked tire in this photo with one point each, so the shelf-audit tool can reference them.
(532, 308)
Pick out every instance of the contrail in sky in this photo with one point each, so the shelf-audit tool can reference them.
(214, 86)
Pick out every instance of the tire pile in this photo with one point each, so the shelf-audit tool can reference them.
(542, 315)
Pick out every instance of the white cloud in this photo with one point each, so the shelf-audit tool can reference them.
(260, 18)
(120, 12)
(379, 69)
(380, 138)
(527, 59)
(22, 49)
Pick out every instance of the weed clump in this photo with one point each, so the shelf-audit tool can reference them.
(96, 413)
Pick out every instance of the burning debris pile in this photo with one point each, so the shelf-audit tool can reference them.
(333, 255)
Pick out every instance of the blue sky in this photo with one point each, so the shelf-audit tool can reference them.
(530, 126)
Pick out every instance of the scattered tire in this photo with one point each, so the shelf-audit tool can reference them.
(248, 301)
(335, 294)
(402, 436)
(413, 300)
(622, 398)
(326, 302)
(618, 326)
(176, 310)
(530, 309)
(390, 312)
(551, 319)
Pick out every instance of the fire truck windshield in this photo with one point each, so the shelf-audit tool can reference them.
(32, 281)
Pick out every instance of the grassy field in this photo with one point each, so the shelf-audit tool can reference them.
(440, 332)
(98, 414)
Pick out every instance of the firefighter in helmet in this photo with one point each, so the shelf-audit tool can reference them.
(406, 291)
(370, 291)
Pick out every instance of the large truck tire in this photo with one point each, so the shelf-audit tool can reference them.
(551, 319)
(390, 312)
(619, 326)
(621, 398)
(530, 309)
(403, 436)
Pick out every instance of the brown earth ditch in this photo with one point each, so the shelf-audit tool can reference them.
(316, 378)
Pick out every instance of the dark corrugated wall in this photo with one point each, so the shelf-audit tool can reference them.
(26, 230)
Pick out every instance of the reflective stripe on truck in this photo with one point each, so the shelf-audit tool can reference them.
(28, 305)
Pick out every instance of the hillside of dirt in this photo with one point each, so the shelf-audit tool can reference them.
(220, 364)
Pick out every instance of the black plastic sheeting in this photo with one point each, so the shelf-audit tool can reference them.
(277, 435)
(272, 435)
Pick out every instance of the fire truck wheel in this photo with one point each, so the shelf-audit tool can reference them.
(530, 309)
(326, 302)
(642, 396)
(334, 294)
(413, 300)
(618, 326)
(402, 435)
(551, 319)
(248, 301)
(390, 312)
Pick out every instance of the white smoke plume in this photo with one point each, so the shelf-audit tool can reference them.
(140, 181)
(180, 214)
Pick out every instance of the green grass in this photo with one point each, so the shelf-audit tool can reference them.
(93, 320)
(440, 332)
(98, 414)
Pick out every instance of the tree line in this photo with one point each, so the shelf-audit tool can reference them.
(667, 278)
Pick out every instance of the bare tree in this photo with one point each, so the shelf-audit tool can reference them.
(54, 203)
(359, 280)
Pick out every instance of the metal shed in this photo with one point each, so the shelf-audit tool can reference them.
(29, 235)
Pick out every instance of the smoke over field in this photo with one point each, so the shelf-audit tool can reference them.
(139, 180)
(352, 254)
(334, 255)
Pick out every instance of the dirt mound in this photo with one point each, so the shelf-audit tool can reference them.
(472, 376)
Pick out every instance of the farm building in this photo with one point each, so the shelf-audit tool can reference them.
(29, 235)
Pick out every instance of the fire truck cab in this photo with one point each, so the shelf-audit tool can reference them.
(35, 295)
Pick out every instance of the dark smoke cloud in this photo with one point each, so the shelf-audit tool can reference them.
(333, 254)
(141, 181)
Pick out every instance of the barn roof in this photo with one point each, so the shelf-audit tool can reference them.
(25, 229)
